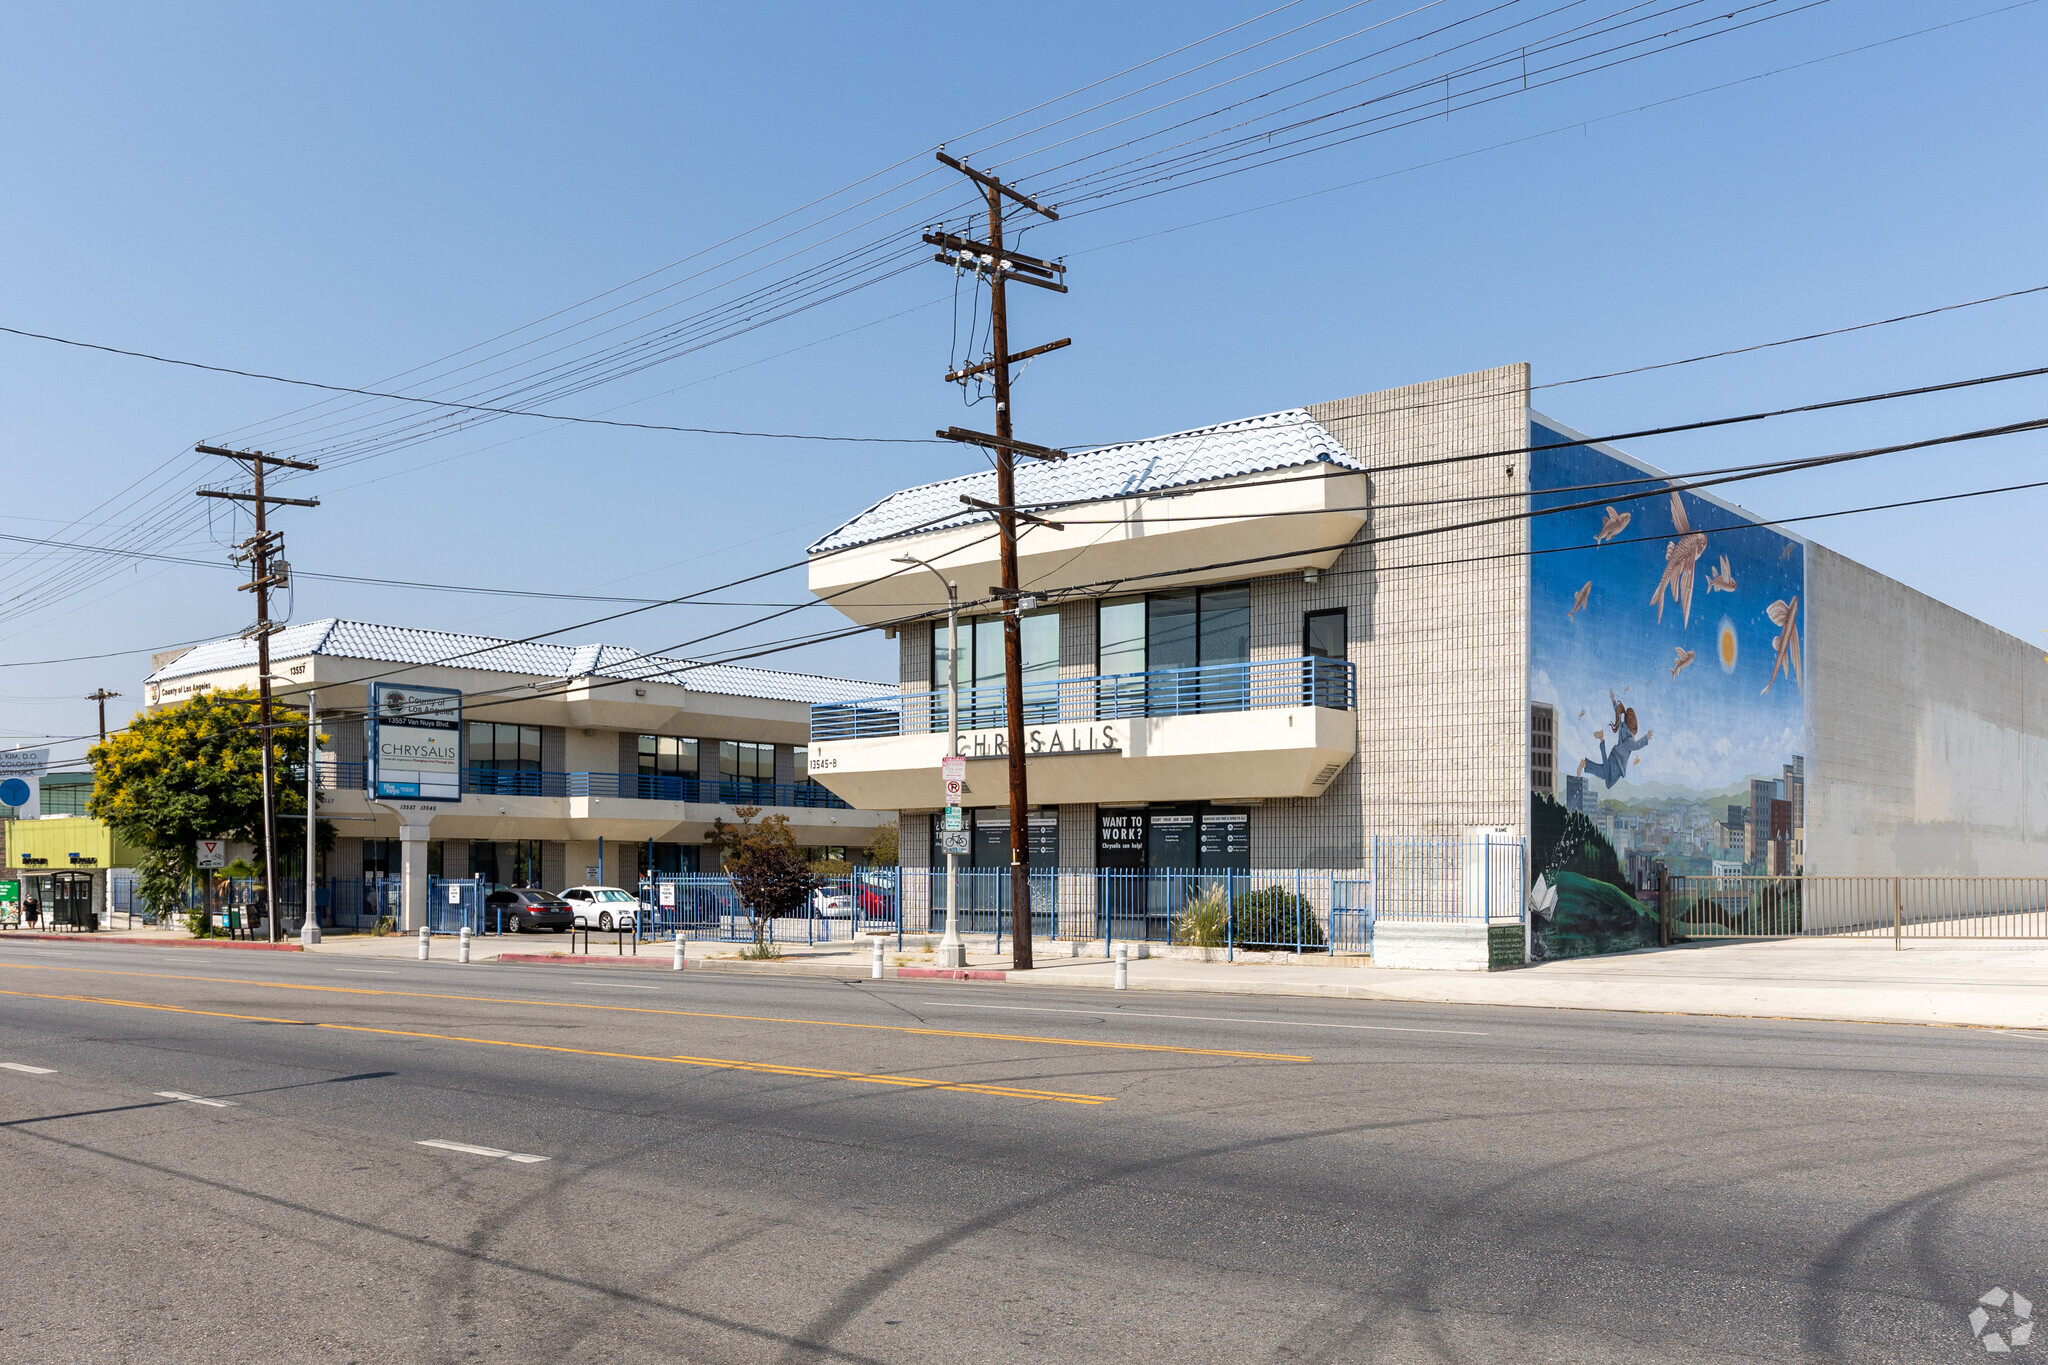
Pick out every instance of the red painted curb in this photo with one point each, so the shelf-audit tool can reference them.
(589, 960)
(156, 942)
(953, 974)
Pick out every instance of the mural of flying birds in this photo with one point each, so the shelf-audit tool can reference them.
(1721, 580)
(1681, 557)
(1685, 656)
(1612, 525)
(1785, 616)
(1579, 600)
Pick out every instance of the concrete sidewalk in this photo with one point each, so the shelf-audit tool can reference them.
(1985, 984)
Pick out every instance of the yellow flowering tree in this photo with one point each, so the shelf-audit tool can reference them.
(195, 771)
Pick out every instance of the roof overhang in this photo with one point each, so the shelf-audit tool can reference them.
(1273, 522)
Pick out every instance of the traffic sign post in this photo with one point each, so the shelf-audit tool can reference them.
(955, 819)
(213, 854)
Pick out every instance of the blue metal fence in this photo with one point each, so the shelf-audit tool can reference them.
(454, 905)
(867, 901)
(338, 776)
(1261, 685)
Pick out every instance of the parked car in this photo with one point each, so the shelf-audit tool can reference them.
(830, 903)
(602, 907)
(875, 895)
(528, 910)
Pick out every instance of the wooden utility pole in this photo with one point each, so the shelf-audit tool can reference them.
(102, 696)
(1000, 266)
(266, 571)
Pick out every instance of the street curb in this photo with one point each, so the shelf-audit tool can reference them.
(586, 960)
(157, 942)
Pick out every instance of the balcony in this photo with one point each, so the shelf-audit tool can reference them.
(1272, 728)
(337, 776)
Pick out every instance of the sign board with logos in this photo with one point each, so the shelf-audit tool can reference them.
(21, 779)
(415, 736)
(10, 893)
(955, 841)
(953, 769)
(212, 854)
(954, 791)
(955, 820)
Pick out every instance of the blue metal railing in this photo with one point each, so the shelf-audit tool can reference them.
(337, 776)
(867, 901)
(1262, 685)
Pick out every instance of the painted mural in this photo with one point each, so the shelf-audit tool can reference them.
(1665, 634)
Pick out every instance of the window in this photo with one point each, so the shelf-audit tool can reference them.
(800, 764)
(668, 767)
(383, 858)
(504, 758)
(1204, 628)
(981, 666)
(506, 862)
(668, 755)
(745, 761)
(1323, 636)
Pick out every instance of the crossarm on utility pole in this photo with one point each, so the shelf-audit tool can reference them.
(1033, 518)
(998, 187)
(1001, 443)
(985, 366)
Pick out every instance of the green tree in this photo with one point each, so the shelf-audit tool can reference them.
(881, 850)
(767, 869)
(195, 771)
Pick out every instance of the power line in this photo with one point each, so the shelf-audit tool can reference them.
(466, 407)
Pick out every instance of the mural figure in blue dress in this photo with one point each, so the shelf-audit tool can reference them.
(1613, 763)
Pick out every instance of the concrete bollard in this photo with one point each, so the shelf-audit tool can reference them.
(462, 945)
(423, 943)
(876, 973)
(1123, 966)
(679, 950)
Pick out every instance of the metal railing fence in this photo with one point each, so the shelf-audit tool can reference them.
(1898, 908)
(1261, 685)
(709, 906)
(725, 791)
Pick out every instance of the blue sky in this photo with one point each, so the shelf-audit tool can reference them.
(1713, 723)
(346, 194)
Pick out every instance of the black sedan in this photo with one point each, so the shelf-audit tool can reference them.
(528, 910)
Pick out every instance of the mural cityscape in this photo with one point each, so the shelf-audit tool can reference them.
(1665, 638)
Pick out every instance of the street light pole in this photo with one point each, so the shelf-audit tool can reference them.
(309, 924)
(952, 948)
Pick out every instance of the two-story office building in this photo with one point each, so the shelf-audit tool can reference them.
(589, 763)
(1306, 639)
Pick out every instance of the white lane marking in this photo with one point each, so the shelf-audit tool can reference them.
(364, 971)
(195, 1099)
(479, 1151)
(1214, 1019)
(617, 985)
(24, 1066)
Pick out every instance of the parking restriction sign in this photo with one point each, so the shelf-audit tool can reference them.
(953, 769)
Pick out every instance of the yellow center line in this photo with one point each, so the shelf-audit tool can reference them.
(718, 1063)
(679, 1014)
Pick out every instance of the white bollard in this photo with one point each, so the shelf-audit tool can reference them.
(423, 943)
(462, 945)
(877, 972)
(679, 950)
(1123, 966)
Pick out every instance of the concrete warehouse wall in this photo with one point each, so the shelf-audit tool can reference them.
(1928, 751)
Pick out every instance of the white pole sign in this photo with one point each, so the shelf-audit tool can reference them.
(213, 854)
(415, 742)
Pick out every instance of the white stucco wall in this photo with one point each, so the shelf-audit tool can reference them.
(1928, 752)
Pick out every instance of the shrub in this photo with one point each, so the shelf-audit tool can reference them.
(1204, 921)
(385, 925)
(1270, 919)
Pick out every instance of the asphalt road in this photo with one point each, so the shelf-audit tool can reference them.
(751, 1169)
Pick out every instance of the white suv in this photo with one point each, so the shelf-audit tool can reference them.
(602, 907)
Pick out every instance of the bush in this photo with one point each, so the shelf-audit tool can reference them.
(1269, 920)
(1204, 921)
(385, 925)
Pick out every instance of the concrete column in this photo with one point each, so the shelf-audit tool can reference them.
(412, 850)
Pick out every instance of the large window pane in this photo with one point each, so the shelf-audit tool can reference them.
(529, 748)
(1171, 639)
(1226, 625)
(1041, 655)
(1120, 636)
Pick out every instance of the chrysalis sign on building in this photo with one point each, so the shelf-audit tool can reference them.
(415, 742)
